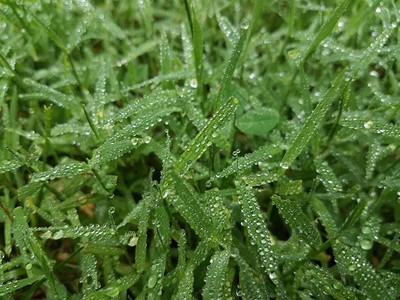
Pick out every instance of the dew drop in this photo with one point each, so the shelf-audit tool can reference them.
(272, 276)
(58, 235)
(112, 292)
(165, 195)
(284, 165)
(366, 244)
(352, 267)
(193, 83)
(152, 282)
(368, 124)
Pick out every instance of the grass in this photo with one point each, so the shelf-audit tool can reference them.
(199, 149)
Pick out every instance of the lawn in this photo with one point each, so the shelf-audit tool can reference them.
(198, 149)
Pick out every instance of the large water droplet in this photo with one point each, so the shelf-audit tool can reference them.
(152, 282)
(58, 235)
(366, 244)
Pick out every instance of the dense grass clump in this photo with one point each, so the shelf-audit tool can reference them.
(215, 149)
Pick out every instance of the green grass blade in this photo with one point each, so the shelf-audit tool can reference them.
(140, 252)
(204, 138)
(327, 176)
(285, 188)
(96, 233)
(125, 139)
(157, 100)
(375, 47)
(352, 261)
(189, 207)
(297, 220)
(197, 40)
(259, 235)
(56, 39)
(5, 63)
(365, 123)
(322, 279)
(89, 276)
(9, 165)
(156, 276)
(165, 61)
(261, 178)
(325, 217)
(313, 121)
(251, 285)
(327, 27)
(185, 286)
(115, 288)
(67, 170)
(13, 286)
(230, 69)
(49, 94)
(216, 276)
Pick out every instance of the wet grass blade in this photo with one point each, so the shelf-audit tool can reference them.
(327, 27)
(313, 122)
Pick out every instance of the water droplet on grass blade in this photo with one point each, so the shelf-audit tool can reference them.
(366, 244)
(245, 24)
(193, 83)
(111, 292)
(58, 235)
(152, 282)
(368, 124)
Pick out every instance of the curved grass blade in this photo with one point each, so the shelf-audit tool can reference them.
(261, 178)
(297, 220)
(155, 101)
(259, 235)
(325, 217)
(185, 286)
(125, 139)
(95, 233)
(354, 121)
(89, 276)
(189, 207)
(228, 29)
(352, 262)
(323, 280)
(375, 47)
(136, 52)
(327, 176)
(68, 170)
(49, 94)
(216, 276)
(9, 165)
(252, 286)
(26, 238)
(155, 280)
(115, 288)
(292, 187)
(13, 286)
